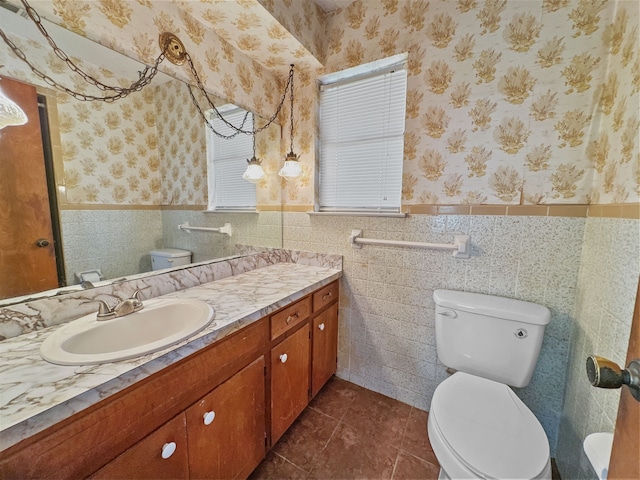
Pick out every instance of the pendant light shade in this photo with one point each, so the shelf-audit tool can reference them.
(291, 167)
(10, 113)
(254, 172)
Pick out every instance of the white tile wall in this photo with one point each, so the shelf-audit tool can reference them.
(116, 241)
(386, 337)
(258, 229)
(605, 299)
(119, 241)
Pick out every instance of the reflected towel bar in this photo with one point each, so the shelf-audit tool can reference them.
(226, 228)
(461, 244)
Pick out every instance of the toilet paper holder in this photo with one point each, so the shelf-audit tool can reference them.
(604, 373)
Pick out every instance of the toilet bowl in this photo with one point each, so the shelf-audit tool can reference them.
(479, 428)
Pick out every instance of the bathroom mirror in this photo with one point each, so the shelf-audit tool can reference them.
(127, 174)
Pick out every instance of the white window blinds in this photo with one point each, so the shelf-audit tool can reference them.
(362, 141)
(227, 161)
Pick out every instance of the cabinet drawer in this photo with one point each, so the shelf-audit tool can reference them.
(290, 317)
(325, 296)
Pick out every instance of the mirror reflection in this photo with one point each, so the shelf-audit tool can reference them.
(121, 176)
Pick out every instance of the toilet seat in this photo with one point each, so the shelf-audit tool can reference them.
(488, 428)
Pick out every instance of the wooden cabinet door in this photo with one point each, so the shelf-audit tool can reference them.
(324, 348)
(289, 381)
(146, 459)
(226, 428)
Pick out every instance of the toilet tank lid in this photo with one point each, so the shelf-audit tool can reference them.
(170, 252)
(500, 307)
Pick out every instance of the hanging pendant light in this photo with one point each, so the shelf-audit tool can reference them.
(10, 113)
(292, 167)
(254, 172)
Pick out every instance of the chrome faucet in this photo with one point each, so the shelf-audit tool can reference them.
(125, 307)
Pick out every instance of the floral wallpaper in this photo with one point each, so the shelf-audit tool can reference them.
(109, 150)
(508, 102)
(133, 27)
(613, 148)
(181, 146)
(306, 21)
(272, 33)
(182, 149)
(146, 149)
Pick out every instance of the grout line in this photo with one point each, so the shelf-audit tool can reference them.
(332, 434)
(395, 465)
(288, 461)
(406, 426)
(418, 458)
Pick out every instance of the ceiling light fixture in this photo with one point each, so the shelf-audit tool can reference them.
(254, 172)
(291, 168)
(10, 113)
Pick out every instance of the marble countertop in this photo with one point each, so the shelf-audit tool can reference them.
(35, 394)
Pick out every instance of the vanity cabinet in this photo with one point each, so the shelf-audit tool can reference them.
(226, 429)
(220, 436)
(213, 414)
(161, 455)
(324, 347)
(289, 381)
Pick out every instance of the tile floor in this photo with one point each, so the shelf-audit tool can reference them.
(350, 432)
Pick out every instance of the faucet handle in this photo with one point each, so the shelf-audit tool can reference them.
(104, 310)
(137, 302)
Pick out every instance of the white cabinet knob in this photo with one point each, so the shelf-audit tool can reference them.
(321, 326)
(283, 357)
(208, 417)
(168, 449)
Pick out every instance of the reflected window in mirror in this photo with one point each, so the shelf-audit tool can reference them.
(226, 161)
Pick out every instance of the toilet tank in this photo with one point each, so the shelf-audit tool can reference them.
(492, 337)
(169, 257)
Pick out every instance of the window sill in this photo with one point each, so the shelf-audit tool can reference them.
(356, 213)
(222, 210)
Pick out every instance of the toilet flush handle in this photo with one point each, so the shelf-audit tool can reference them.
(449, 313)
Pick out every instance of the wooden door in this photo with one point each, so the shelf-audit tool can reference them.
(163, 454)
(289, 381)
(25, 216)
(625, 456)
(226, 429)
(324, 348)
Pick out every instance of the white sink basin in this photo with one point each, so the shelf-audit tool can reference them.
(159, 324)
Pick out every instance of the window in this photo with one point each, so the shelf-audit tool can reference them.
(227, 161)
(361, 131)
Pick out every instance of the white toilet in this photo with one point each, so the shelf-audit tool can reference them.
(477, 426)
(169, 257)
